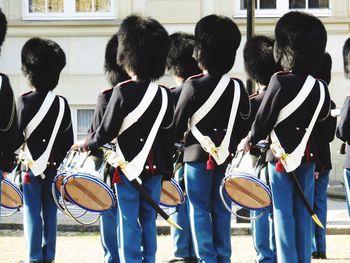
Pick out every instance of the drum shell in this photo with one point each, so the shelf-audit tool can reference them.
(242, 185)
(81, 176)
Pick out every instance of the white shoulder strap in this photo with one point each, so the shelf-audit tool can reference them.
(39, 116)
(135, 167)
(39, 165)
(211, 101)
(134, 115)
(292, 160)
(297, 101)
(220, 153)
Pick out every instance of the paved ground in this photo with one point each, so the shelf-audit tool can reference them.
(84, 246)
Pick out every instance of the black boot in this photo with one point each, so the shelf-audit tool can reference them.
(322, 255)
(315, 255)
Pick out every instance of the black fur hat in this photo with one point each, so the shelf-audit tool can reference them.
(180, 61)
(346, 58)
(300, 42)
(143, 47)
(42, 62)
(115, 73)
(324, 72)
(3, 27)
(259, 62)
(217, 39)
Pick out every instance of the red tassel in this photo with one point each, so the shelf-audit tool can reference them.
(116, 179)
(210, 163)
(279, 166)
(26, 178)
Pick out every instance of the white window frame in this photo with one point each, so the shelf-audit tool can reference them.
(74, 115)
(69, 13)
(282, 7)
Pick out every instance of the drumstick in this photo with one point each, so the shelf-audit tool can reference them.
(87, 192)
(303, 198)
(6, 195)
(171, 196)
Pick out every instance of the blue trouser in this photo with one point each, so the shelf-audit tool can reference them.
(137, 221)
(292, 222)
(182, 239)
(40, 218)
(347, 187)
(108, 229)
(210, 221)
(263, 232)
(320, 209)
(263, 236)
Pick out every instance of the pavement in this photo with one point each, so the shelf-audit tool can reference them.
(338, 221)
(81, 244)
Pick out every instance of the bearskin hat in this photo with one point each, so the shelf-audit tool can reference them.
(346, 58)
(115, 73)
(324, 72)
(3, 27)
(180, 61)
(42, 62)
(300, 42)
(217, 39)
(259, 62)
(143, 47)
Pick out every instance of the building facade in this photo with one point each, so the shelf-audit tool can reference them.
(83, 27)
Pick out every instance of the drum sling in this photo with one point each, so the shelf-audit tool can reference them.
(292, 160)
(133, 169)
(39, 165)
(220, 153)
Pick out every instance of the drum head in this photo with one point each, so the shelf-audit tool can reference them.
(171, 194)
(247, 191)
(88, 192)
(11, 195)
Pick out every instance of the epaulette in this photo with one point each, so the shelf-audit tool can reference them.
(26, 93)
(237, 79)
(198, 76)
(124, 82)
(253, 95)
(282, 72)
(106, 90)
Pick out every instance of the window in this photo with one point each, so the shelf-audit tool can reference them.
(82, 119)
(276, 8)
(68, 9)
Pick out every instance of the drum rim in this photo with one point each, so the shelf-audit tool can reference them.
(17, 190)
(250, 178)
(55, 180)
(93, 179)
(179, 190)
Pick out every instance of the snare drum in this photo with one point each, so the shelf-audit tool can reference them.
(242, 185)
(11, 195)
(171, 194)
(80, 180)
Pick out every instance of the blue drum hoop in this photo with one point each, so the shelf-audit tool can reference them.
(93, 179)
(250, 178)
(17, 190)
(180, 192)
